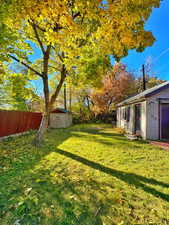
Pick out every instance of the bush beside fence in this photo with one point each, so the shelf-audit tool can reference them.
(15, 122)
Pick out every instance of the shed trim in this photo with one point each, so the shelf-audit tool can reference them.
(131, 103)
(145, 94)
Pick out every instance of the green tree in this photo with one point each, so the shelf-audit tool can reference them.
(16, 92)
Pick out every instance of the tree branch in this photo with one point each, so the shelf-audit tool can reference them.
(53, 67)
(76, 15)
(61, 58)
(57, 27)
(40, 28)
(55, 94)
(37, 37)
(26, 65)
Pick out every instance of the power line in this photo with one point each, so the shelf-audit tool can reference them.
(162, 53)
(157, 58)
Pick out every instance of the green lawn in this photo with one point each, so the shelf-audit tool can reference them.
(84, 175)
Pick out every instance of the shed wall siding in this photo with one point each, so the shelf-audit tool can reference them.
(150, 116)
(130, 126)
(60, 120)
(118, 117)
(153, 115)
(144, 120)
(132, 120)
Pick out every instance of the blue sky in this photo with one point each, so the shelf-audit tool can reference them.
(158, 23)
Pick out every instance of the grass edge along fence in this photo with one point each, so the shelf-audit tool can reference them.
(17, 122)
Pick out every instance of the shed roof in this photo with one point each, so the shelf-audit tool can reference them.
(59, 110)
(145, 94)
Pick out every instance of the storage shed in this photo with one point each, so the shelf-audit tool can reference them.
(60, 118)
(146, 114)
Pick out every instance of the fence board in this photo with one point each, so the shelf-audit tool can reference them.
(14, 122)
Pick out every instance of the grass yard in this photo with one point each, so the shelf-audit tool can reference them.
(84, 175)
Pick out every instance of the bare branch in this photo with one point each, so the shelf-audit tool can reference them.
(40, 28)
(55, 94)
(57, 27)
(76, 15)
(26, 65)
(53, 67)
(38, 38)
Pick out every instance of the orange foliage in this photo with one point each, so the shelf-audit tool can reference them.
(117, 85)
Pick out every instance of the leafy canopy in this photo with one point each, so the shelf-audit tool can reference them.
(109, 27)
(80, 33)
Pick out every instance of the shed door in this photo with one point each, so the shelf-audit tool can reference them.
(165, 121)
(137, 117)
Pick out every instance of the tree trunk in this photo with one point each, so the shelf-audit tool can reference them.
(70, 98)
(65, 97)
(42, 129)
(46, 116)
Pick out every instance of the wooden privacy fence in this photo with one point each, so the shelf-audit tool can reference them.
(15, 122)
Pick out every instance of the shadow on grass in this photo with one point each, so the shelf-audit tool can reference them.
(74, 202)
(18, 155)
(110, 140)
(59, 202)
(28, 193)
(130, 178)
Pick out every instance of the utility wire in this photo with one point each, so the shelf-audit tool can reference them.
(163, 53)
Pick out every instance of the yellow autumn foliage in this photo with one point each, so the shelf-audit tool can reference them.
(112, 27)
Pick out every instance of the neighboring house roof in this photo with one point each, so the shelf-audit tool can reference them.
(59, 110)
(145, 94)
